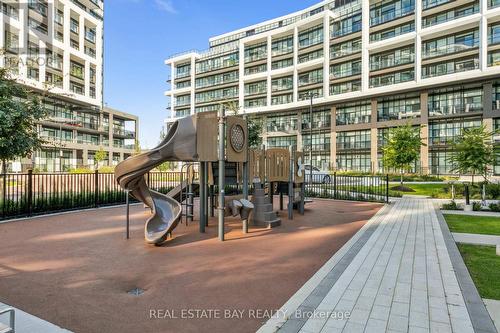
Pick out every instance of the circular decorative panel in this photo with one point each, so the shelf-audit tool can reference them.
(237, 138)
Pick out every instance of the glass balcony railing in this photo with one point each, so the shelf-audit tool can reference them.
(427, 4)
(451, 48)
(337, 74)
(450, 68)
(447, 110)
(493, 3)
(346, 30)
(391, 15)
(391, 62)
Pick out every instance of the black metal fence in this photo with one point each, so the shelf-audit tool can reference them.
(342, 187)
(29, 194)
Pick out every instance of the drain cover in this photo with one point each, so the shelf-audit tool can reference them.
(136, 292)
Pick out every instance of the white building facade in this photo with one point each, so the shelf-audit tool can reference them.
(55, 47)
(370, 65)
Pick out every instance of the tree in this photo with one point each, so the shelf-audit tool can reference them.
(100, 156)
(254, 133)
(20, 111)
(473, 152)
(402, 149)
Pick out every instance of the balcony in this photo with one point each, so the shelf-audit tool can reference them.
(450, 68)
(316, 147)
(447, 110)
(90, 35)
(346, 30)
(353, 119)
(391, 62)
(392, 15)
(450, 49)
(338, 74)
(38, 6)
(124, 133)
(428, 4)
(353, 145)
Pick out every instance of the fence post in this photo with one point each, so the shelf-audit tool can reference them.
(387, 188)
(4, 194)
(30, 192)
(335, 185)
(96, 188)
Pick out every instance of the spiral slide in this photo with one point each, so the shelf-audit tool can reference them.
(178, 145)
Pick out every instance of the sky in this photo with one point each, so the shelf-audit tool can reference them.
(141, 34)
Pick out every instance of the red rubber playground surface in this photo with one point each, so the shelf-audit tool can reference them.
(75, 269)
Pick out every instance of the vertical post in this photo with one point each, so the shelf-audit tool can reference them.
(222, 176)
(311, 141)
(4, 190)
(387, 188)
(302, 198)
(467, 198)
(335, 185)
(30, 192)
(205, 181)
(290, 185)
(212, 201)
(127, 202)
(202, 197)
(281, 199)
(271, 192)
(96, 188)
(245, 180)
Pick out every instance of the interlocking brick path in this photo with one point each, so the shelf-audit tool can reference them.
(402, 279)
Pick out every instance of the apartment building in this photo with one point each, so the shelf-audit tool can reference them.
(366, 66)
(55, 47)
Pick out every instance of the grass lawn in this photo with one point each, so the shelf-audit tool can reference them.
(474, 224)
(435, 190)
(484, 267)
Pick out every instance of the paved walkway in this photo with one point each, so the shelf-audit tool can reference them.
(397, 276)
(476, 239)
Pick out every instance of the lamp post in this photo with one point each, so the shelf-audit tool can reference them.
(311, 97)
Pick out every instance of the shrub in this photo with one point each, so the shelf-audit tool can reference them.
(80, 170)
(476, 206)
(107, 169)
(494, 207)
(452, 205)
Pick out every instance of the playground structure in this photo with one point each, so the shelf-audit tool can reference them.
(210, 140)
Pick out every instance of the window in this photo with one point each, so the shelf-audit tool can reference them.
(255, 53)
(345, 87)
(311, 37)
(454, 66)
(283, 83)
(450, 15)
(320, 142)
(182, 71)
(211, 64)
(346, 26)
(312, 77)
(321, 118)
(282, 123)
(450, 44)
(356, 113)
(255, 69)
(345, 48)
(216, 95)
(182, 100)
(392, 58)
(450, 101)
(74, 26)
(349, 161)
(392, 32)
(494, 34)
(281, 141)
(255, 102)
(310, 56)
(385, 11)
(282, 46)
(77, 70)
(282, 99)
(354, 140)
(345, 69)
(282, 63)
(397, 109)
(392, 78)
(217, 79)
(255, 88)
